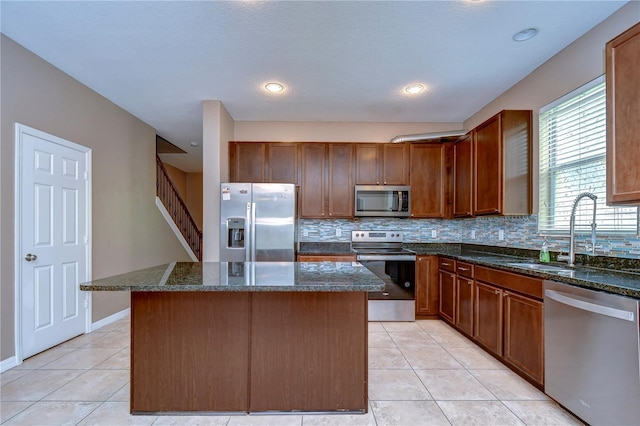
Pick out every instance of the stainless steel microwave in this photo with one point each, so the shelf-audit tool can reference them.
(376, 200)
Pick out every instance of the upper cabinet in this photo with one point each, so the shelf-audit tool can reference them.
(429, 180)
(462, 181)
(623, 117)
(382, 164)
(326, 184)
(501, 158)
(247, 161)
(275, 162)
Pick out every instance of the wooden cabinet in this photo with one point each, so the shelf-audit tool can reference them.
(429, 180)
(282, 162)
(623, 112)
(427, 286)
(447, 290)
(247, 161)
(488, 317)
(463, 177)
(382, 164)
(326, 186)
(263, 162)
(509, 320)
(501, 158)
(313, 186)
(327, 258)
(523, 335)
(464, 297)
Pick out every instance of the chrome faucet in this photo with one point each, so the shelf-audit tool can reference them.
(571, 258)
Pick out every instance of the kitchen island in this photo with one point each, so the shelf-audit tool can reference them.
(247, 336)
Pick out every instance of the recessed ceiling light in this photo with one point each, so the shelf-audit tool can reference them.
(274, 87)
(525, 34)
(414, 89)
(194, 144)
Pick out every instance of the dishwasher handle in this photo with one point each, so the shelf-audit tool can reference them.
(590, 307)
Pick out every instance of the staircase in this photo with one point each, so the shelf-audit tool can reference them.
(176, 208)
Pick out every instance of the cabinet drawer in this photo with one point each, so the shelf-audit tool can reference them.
(464, 269)
(447, 264)
(510, 281)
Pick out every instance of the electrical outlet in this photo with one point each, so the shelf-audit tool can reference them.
(501, 234)
(338, 232)
(305, 232)
(434, 234)
(473, 234)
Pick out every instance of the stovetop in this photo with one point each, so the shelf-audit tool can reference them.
(378, 242)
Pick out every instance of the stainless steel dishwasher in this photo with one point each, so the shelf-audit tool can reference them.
(592, 366)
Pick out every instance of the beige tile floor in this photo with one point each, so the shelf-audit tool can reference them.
(421, 373)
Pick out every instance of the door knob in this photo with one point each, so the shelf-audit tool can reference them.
(30, 257)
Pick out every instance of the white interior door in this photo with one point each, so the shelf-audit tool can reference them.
(54, 234)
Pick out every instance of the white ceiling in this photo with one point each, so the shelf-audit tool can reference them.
(339, 60)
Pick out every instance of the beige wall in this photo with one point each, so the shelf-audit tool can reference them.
(217, 131)
(577, 64)
(291, 131)
(128, 231)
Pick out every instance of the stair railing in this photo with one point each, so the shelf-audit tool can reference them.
(177, 208)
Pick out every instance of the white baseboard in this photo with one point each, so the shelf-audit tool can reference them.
(8, 363)
(110, 319)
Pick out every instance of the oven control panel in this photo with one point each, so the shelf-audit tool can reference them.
(376, 236)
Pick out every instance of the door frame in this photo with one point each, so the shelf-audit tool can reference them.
(20, 130)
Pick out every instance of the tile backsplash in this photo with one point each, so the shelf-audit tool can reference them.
(517, 232)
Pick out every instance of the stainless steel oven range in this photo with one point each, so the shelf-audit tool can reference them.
(381, 252)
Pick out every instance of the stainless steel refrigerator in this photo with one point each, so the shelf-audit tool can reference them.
(257, 222)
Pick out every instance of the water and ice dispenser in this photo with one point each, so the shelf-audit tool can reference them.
(235, 232)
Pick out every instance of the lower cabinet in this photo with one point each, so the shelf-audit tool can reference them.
(427, 286)
(501, 311)
(447, 290)
(488, 317)
(523, 335)
(464, 304)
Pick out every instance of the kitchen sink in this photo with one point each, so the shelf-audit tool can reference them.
(537, 266)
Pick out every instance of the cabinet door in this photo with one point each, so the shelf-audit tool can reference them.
(623, 110)
(395, 164)
(282, 166)
(427, 285)
(447, 291)
(247, 161)
(340, 188)
(488, 167)
(312, 180)
(523, 335)
(428, 180)
(462, 177)
(464, 305)
(488, 317)
(368, 159)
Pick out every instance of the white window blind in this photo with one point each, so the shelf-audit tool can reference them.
(572, 161)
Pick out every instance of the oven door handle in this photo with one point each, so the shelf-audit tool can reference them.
(398, 258)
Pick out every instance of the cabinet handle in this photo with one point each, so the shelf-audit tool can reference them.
(445, 264)
(496, 291)
(377, 182)
(384, 183)
(463, 269)
(330, 214)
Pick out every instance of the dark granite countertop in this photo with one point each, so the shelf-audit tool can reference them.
(613, 275)
(595, 273)
(243, 276)
(325, 249)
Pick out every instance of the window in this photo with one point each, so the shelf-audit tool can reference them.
(572, 161)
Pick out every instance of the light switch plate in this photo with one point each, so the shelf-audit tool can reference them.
(434, 234)
(473, 234)
(338, 232)
(305, 232)
(501, 234)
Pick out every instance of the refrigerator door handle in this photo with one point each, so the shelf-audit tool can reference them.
(248, 235)
(253, 232)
